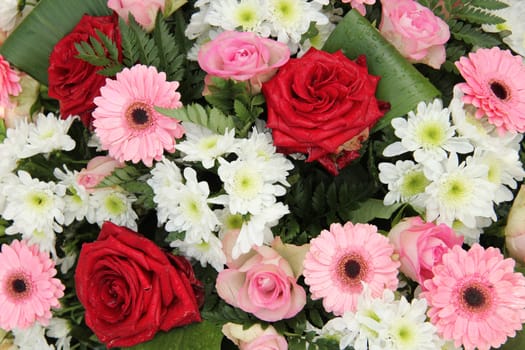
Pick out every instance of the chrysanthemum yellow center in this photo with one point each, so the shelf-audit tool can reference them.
(247, 183)
(246, 16)
(287, 11)
(114, 205)
(414, 183)
(209, 143)
(431, 134)
(456, 191)
(234, 221)
(139, 115)
(191, 208)
(38, 200)
(500, 90)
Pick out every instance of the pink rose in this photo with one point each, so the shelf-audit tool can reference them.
(96, 170)
(144, 11)
(254, 338)
(359, 5)
(421, 245)
(243, 56)
(415, 31)
(264, 283)
(515, 229)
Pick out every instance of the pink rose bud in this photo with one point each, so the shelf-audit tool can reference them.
(144, 11)
(415, 31)
(421, 246)
(254, 338)
(243, 56)
(515, 229)
(264, 283)
(96, 170)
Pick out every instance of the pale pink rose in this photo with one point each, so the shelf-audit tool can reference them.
(264, 283)
(144, 11)
(254, 338)
(415, 31)
(243, 56)
(515, 229)
(96, 170)
(9, 83)
(359, 5)
(20, 107)
(421, 245)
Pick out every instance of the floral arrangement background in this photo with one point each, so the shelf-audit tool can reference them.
(262, 174)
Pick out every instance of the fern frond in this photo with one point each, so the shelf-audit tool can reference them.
(489, 4)
(472, 35)
(212, 119)
(171, 58)
(475, 15)
(147, 50)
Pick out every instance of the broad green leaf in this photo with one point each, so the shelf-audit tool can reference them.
(29, 46)
(373, 209)
(401, 84)
(515, 343)
(198, 336)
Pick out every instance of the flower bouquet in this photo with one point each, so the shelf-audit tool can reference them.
(262, 174)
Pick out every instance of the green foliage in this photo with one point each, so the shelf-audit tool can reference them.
(472, 35)
(3, 130)
(234, 98)
(140, 43)
(171, 56)
(211, 118)
(99, 54)
(132, 180)
(204, 335)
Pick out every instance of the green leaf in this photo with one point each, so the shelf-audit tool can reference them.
(489, 4)
(212, 119)
(373, 209)
(198, 336)
(476, 15)
(471, 35)
(30, 45)
(514, 343)
(401, 84)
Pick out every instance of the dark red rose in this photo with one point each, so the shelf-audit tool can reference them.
(73, 82)
(323, 104)
(131, 288)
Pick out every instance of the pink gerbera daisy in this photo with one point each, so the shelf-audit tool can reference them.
(341, 259)
(28, 289)
(126, 121)
(475, 298)
(495, 85)
(9, 83)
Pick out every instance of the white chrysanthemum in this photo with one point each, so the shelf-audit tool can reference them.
(206, 252)
(459, 192)
(408, 329)
(31, 338)
(59, 329)
(406, 182)
(8, 14)
(256, 229)
(290, 19)
(198, 24)
(504, 169)
(471, 234)
(202, 145)
(427, 133)
(249, 186)
(112, 204)
(76, 198)
(47, 134)
(323, 32)
(166, 180)
(36, 207)
(11, 147)
(190, 210)
(513, 16)
(244, 15)
(366, 328)
(259, 147)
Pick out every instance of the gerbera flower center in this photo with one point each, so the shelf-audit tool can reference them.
(475, 297)
(139, 115)
(352, 269)
(18, 286)
(500, 90)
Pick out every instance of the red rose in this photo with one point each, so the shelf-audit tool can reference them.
(73, 82)
(323, 104)
(131, 288)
